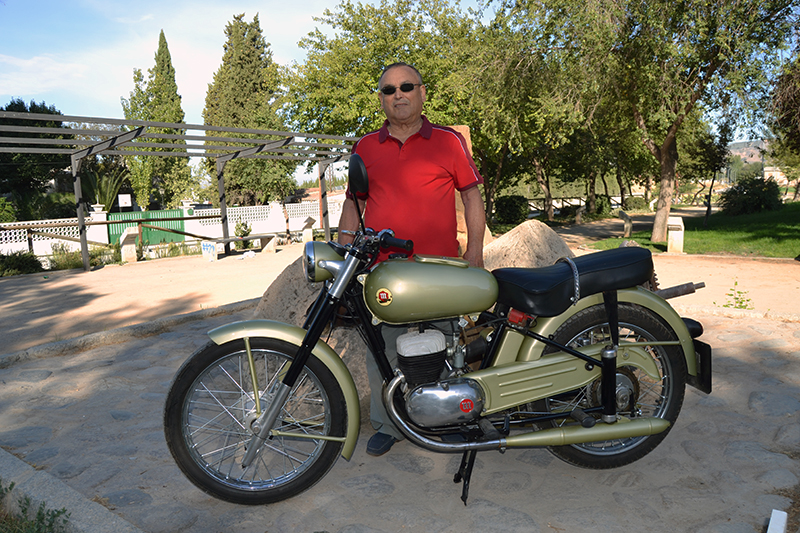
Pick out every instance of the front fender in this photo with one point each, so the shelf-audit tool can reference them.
(548, 325)
(323, 352)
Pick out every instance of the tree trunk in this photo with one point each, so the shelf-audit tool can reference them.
(490, 189)
(648, 188)
(668, 163)
(591, 202)
(708, 203)
(621, 184)
(544, 182)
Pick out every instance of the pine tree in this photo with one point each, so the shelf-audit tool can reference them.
(245, 94)
(157, 99)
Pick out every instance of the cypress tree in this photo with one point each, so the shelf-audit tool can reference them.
(157, 99)
(245, 94)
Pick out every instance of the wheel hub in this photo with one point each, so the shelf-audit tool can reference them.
(626, 392)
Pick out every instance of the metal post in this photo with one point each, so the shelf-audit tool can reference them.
(76, 185)
(223, 208)
(323, 200)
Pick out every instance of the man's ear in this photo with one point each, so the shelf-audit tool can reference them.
(424, 93)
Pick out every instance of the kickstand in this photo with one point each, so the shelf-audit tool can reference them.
(465, 473)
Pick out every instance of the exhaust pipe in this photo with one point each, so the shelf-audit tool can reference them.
(621, 429)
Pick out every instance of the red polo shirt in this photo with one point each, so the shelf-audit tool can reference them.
(412, 185)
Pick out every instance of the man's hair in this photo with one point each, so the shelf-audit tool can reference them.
(400, 64)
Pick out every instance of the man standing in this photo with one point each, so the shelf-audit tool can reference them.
(414, 168)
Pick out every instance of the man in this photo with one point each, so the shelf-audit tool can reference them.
(414, 169)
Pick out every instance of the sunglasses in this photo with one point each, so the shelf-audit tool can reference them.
(405, 87)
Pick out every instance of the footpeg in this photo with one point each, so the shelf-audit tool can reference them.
(579, 415)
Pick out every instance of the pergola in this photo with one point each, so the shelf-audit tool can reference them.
(139, 138)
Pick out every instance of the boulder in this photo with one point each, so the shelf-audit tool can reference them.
(531, 244)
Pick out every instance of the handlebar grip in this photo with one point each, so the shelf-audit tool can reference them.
(388, 241)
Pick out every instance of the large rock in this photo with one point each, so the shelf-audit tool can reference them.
(531, 244)
(287, 299)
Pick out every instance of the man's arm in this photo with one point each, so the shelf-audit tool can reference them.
(348, 220)
(475, 217)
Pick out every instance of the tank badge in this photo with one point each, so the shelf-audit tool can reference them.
(384, 296)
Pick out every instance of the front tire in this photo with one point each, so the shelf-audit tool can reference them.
(211, 405)
(661, 398)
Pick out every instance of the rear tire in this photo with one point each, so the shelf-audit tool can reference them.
(660, 398)
(210, 407)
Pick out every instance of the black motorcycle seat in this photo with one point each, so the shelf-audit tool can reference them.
(548, 291)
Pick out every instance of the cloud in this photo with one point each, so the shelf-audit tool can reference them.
(37, 75)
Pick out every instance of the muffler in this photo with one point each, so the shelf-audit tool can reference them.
(621, 429)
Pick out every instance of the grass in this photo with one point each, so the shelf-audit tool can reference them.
(766, 234)
(30, 519)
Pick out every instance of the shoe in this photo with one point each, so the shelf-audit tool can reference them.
(379, 444)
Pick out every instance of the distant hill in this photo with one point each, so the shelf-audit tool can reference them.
(749, 151)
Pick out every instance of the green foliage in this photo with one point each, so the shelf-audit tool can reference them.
(635, 203)
(245, 94)
(737, 299)
(102, 187)
(63, 258)
(511, 209)
(40, 520)
(7, 213)
(157, 99)
(16, 263)
(26, 174)
(751, 195)
(785, 100)
(33, 205)
(603, 205)
(242, 229)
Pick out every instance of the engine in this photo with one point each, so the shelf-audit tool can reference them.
(431, 401)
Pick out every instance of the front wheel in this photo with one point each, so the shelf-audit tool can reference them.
(211, 406)
(637, 395)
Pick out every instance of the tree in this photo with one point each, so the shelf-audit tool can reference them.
(672, 55)
(245, 93)
(785, 105)
(157, 99)
(28, 175)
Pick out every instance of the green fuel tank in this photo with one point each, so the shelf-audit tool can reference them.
(426, 287)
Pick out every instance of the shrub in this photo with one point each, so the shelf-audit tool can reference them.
(751, 195)
(242, 229)
(603, 205)
(511, 209)
(635, 203)
(7, 211)
(17, 263)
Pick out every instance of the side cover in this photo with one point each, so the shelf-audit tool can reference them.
(323, 352)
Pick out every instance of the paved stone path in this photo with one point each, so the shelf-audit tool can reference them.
(93, 421)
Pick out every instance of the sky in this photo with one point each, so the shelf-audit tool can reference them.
(79, 55)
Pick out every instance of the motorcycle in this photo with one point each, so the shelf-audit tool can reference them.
(577, 357)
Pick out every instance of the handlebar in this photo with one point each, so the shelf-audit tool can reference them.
(388, 241)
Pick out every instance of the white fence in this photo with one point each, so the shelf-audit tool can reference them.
(262, 219)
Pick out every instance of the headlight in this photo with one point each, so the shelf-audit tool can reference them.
(316, 252)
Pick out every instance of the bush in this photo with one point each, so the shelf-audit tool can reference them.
(242, 229)
(751, 195)
(17, 263)
(7, 213)
(603, 205)
(511, 209)
(635, 203)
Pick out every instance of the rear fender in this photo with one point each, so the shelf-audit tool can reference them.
(295, 335)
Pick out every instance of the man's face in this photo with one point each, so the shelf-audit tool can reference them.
(400, 106)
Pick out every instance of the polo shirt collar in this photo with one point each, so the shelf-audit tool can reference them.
(426, 130)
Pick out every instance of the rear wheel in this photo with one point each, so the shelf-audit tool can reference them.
(638, 395)
(211, 406)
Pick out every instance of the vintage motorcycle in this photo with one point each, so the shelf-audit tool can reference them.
(576, 357)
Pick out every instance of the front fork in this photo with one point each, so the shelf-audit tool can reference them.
(322, 312)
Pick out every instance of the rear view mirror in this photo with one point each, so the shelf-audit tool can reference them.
(357, 175)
